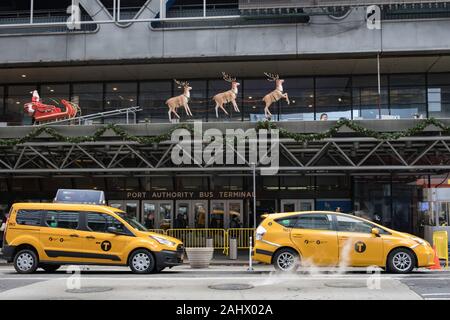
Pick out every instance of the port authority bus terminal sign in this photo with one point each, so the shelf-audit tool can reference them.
(185, 195)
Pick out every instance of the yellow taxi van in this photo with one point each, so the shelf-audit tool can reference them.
(319, 238)
(48, 235)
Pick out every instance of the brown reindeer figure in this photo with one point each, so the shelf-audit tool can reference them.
(180, 101)
(275, 95)
(227, 96)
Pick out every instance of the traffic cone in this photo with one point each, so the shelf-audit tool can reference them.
(437, 263)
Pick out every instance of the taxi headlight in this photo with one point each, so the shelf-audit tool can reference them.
(163, 241)
(419, 241)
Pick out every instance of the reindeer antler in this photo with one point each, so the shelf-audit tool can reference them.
(227, 78)
(181, 83)
(271, 76)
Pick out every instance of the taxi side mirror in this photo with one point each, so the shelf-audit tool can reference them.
(376, 232)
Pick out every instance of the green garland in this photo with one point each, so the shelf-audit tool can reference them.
(119, 131)
(299, 137)
(356, 127)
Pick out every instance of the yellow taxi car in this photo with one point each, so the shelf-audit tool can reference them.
(330, 239)
(48, 235)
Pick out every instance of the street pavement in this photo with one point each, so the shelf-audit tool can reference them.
(230, 282)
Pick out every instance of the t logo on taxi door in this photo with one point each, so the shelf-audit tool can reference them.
(360, 247)
(105, 245)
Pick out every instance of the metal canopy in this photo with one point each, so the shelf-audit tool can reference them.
(350, 155)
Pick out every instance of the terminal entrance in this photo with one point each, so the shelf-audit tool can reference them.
(157, 214)
(226, 214)
(294, 205)
(191, 214)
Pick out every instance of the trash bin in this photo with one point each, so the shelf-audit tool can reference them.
(233, 249)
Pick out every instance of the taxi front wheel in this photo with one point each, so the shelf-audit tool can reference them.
(142, 261)
(401, 261)
(26, 261)
(286, 260)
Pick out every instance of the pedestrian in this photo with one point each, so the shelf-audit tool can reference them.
(323, 117)
(338, 209)
(2, 227)
(235, 223)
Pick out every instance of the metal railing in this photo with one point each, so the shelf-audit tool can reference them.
(198, 238)
(269, 4)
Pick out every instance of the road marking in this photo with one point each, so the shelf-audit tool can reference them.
(437, 298)
(265, 279)
(436, 294)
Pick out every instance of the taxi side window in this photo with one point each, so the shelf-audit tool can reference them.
(62, 219)
(347, 224)
(287, 222)
(99, 222)
(315, 222)
(29, 217)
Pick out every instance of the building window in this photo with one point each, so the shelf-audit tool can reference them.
(17, 97)
(89, 96)
(192, 183)
(152, 98)
(301, 96)
(367, 102)
(2, 105)
(407, 96)
(120, 95)
(198, 103)
(253, 106)
(222, 183)
(54, 93)
(333, 98)
(439, 95)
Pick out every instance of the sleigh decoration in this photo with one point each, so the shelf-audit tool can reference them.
(44, 113)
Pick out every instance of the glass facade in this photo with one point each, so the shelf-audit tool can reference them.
(404, 203)
(403, 96)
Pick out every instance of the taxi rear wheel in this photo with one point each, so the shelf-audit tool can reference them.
(401, 261)
(286, 260)
(142, 261)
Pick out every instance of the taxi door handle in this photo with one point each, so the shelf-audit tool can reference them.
(343, 238)
(298, 236)
(90, 237)
(74, 236)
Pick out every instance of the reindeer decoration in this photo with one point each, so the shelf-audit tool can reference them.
(275, 95)
(227, 96)
(180, 101)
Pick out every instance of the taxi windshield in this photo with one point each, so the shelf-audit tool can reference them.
(132, 221)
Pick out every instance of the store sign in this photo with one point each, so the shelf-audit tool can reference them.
(178, 195)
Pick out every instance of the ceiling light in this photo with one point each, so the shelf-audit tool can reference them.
(24, 76)
(114, 89)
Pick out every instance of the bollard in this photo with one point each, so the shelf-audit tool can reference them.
(250, 264)
(233, 249)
